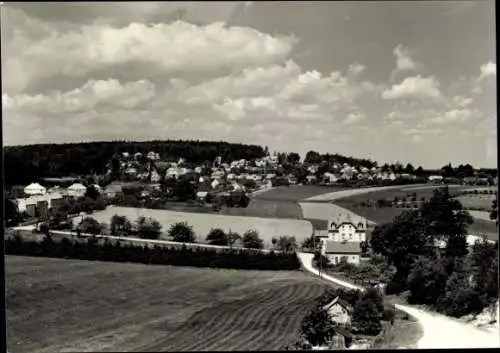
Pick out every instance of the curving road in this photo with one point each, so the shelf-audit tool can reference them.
(439, 331)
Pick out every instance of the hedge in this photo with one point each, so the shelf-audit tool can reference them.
(94, 250)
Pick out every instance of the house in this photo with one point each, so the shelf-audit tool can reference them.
(201, 195)
(113, 190)
(435, 178)
(35, 189)
(339, 311)
(38, 205)
(336, 251)
(76, 190)
(345, 235)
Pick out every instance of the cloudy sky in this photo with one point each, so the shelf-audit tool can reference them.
(392, 81)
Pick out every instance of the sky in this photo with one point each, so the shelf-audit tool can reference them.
(391, 81)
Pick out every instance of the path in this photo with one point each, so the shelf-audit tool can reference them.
(439, 331)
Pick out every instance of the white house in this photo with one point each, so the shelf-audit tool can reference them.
(435, 178)
(35, 189)
(345, 234)
(76, 190)
(339, 311)
(215, 183)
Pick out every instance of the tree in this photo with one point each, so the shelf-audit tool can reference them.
(459, 298)
(402, 241)
(90, 225)
(409, 169)
(120, 225)
(148, 228)
(252, 240)
(366, 317)
(317, 327)
(445, 217)
(484, 268)
(12, 216)
(287, 244)
(232, 238)
(274, 241)
(182, 232)
(217, 237)
(312, 157)
(92, 192)
(494, 210)
(427, 281)
(293, 158)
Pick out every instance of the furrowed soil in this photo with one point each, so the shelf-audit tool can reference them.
(55, 305)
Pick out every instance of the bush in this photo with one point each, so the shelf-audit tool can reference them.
(217, 237)
(317, 327)
(158, 255)
(90, 225)
(182, 232)
(252, 240)
(148, 228)
(120, 226)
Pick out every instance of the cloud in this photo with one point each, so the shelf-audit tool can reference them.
(354, 118)
(487, 70)
(403, 59)
(455, 116)
(416, 87)
(99, 47)
(462, 101)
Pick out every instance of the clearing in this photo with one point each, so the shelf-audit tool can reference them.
(55, 305)
(202, 223)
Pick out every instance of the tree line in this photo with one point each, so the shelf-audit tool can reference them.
(25, 164)
(94, 250)
(452, 279)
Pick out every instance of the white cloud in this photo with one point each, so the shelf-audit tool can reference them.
(488, 70)
(171, 48)
(403, 59)
(355, 69)
(416, 87)
(354, 118)
(455, 116)
(462, 101)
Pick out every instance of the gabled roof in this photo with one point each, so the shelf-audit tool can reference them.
(340, 302)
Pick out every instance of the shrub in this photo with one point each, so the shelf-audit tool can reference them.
(148, 228)
(120, 225)
(90, 225)
(252, 240)
(317, 327)
(217, 237)
(182, 232)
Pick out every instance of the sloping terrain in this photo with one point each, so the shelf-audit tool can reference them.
(55, 305)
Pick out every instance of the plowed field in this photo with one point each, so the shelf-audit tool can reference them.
(56, 305)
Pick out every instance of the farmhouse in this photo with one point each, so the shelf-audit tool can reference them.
(76, 190)
(345, 234)
(340, 311)
(35, 189)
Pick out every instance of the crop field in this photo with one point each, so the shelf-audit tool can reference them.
(267, 209)
(296, 193)
(325, 211)
(482, 202)
(55, 305)
(202, 223)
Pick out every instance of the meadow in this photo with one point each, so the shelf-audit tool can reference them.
(55, 305)
(202, 223)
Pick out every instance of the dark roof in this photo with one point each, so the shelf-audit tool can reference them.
(341, 302)
(338, 247)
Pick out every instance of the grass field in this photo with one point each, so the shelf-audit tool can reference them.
(202, 223)
(267, 209)
(55, 305)
(296, 192)
(482, 202)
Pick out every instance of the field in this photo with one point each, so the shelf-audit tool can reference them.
(55, 305)
(202, 223)
(296, 193)
(324, 211)
(477, 202)
(267, 208)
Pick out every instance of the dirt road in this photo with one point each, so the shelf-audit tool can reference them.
(439, 331)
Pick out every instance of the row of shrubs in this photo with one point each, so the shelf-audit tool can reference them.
(94, 250)
(477, 192)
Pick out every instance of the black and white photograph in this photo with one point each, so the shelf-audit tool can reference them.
(249, 175)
